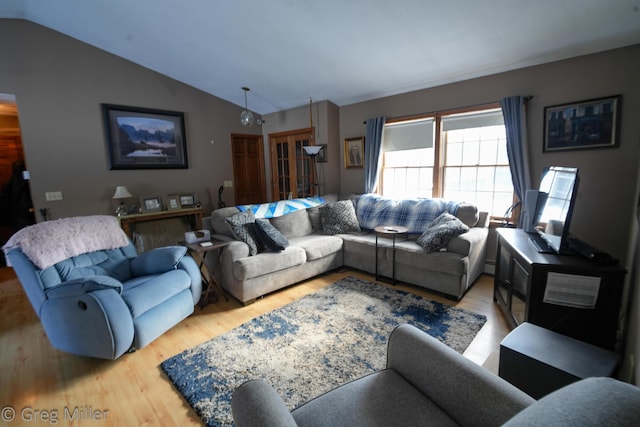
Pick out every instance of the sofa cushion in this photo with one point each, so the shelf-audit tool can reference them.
(268, 262)
(294, 224)
(339, 217)
(147, 292)
(269, 236)
(318, 246)
(241, 225)
(440, 231)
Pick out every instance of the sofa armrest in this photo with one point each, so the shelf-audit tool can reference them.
(470, 394)
(188, 264)
(256, 403)
(93, 324)
(464, 243)
(483, 220)
(157, 260)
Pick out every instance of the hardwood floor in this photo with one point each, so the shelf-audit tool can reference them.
(39, 382)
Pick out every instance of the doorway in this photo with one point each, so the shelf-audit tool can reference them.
(248, 169)
(16, 206)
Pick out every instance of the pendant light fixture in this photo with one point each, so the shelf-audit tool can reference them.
(246, 117)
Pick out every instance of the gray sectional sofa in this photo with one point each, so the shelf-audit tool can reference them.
(450, 270)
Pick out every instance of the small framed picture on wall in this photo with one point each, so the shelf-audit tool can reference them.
(354, 152)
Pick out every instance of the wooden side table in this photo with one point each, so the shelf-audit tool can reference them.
(389, 232)
(199, 252)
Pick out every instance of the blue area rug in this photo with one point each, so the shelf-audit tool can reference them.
(311, 345)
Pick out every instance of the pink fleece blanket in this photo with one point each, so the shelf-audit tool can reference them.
(49, 242)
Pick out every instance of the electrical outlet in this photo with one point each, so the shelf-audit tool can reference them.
(52, 196)
(228, 183)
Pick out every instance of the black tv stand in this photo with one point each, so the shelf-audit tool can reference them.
(523, 274)
(539, 244)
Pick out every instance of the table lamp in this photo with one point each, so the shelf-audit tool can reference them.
(121, 194)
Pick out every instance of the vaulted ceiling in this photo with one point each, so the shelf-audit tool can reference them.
(288, 51)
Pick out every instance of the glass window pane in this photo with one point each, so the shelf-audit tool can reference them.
(468, 177)
(471, 153)
(489, 152)
(454, 154)
(486, 177)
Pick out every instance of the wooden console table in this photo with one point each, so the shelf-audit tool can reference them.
(195, 215)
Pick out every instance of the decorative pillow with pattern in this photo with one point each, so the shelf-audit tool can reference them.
(339, 217)
(241, 225)
(440, 231)
(271, 238)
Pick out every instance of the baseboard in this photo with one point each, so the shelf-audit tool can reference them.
(489, 267)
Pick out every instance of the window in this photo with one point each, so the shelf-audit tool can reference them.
(466, 161)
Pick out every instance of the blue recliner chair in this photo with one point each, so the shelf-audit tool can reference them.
(93, 293)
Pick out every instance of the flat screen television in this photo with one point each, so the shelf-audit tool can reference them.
(558, 190)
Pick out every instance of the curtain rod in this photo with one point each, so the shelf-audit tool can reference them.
(461, 109)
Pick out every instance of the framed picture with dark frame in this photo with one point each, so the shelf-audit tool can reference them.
(151, 204)
(144, 138)
(322, 154)
(593, 123)
(354, 152)
(187, 200)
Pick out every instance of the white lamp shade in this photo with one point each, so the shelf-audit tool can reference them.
(121, 192)
(312, 150)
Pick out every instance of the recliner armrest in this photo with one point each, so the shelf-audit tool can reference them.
(470, 394)
(256, 403)
(82, 286)
(157, 260)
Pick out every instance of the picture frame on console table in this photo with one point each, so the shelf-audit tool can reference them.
(593, 123)
(187, 200)
(151, 204)
(144, 138)
(172, 203)
(354, 153)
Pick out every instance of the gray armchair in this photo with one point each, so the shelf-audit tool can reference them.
(94, 295)
(427, 383)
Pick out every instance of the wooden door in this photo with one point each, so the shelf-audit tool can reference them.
(290, 166)
(248, 169)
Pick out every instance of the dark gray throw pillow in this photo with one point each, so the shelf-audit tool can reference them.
(440, 231)
(241, 226)
(267, 234)
(339, 217)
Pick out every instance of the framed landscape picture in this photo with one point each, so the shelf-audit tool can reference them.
(593, 123)
(142, 138)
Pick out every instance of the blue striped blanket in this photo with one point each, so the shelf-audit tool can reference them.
(281, 207)
(415, 214)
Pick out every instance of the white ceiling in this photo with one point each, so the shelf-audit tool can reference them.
(344, 51)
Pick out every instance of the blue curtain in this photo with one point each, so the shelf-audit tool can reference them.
(372, 150)
(515, 122)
